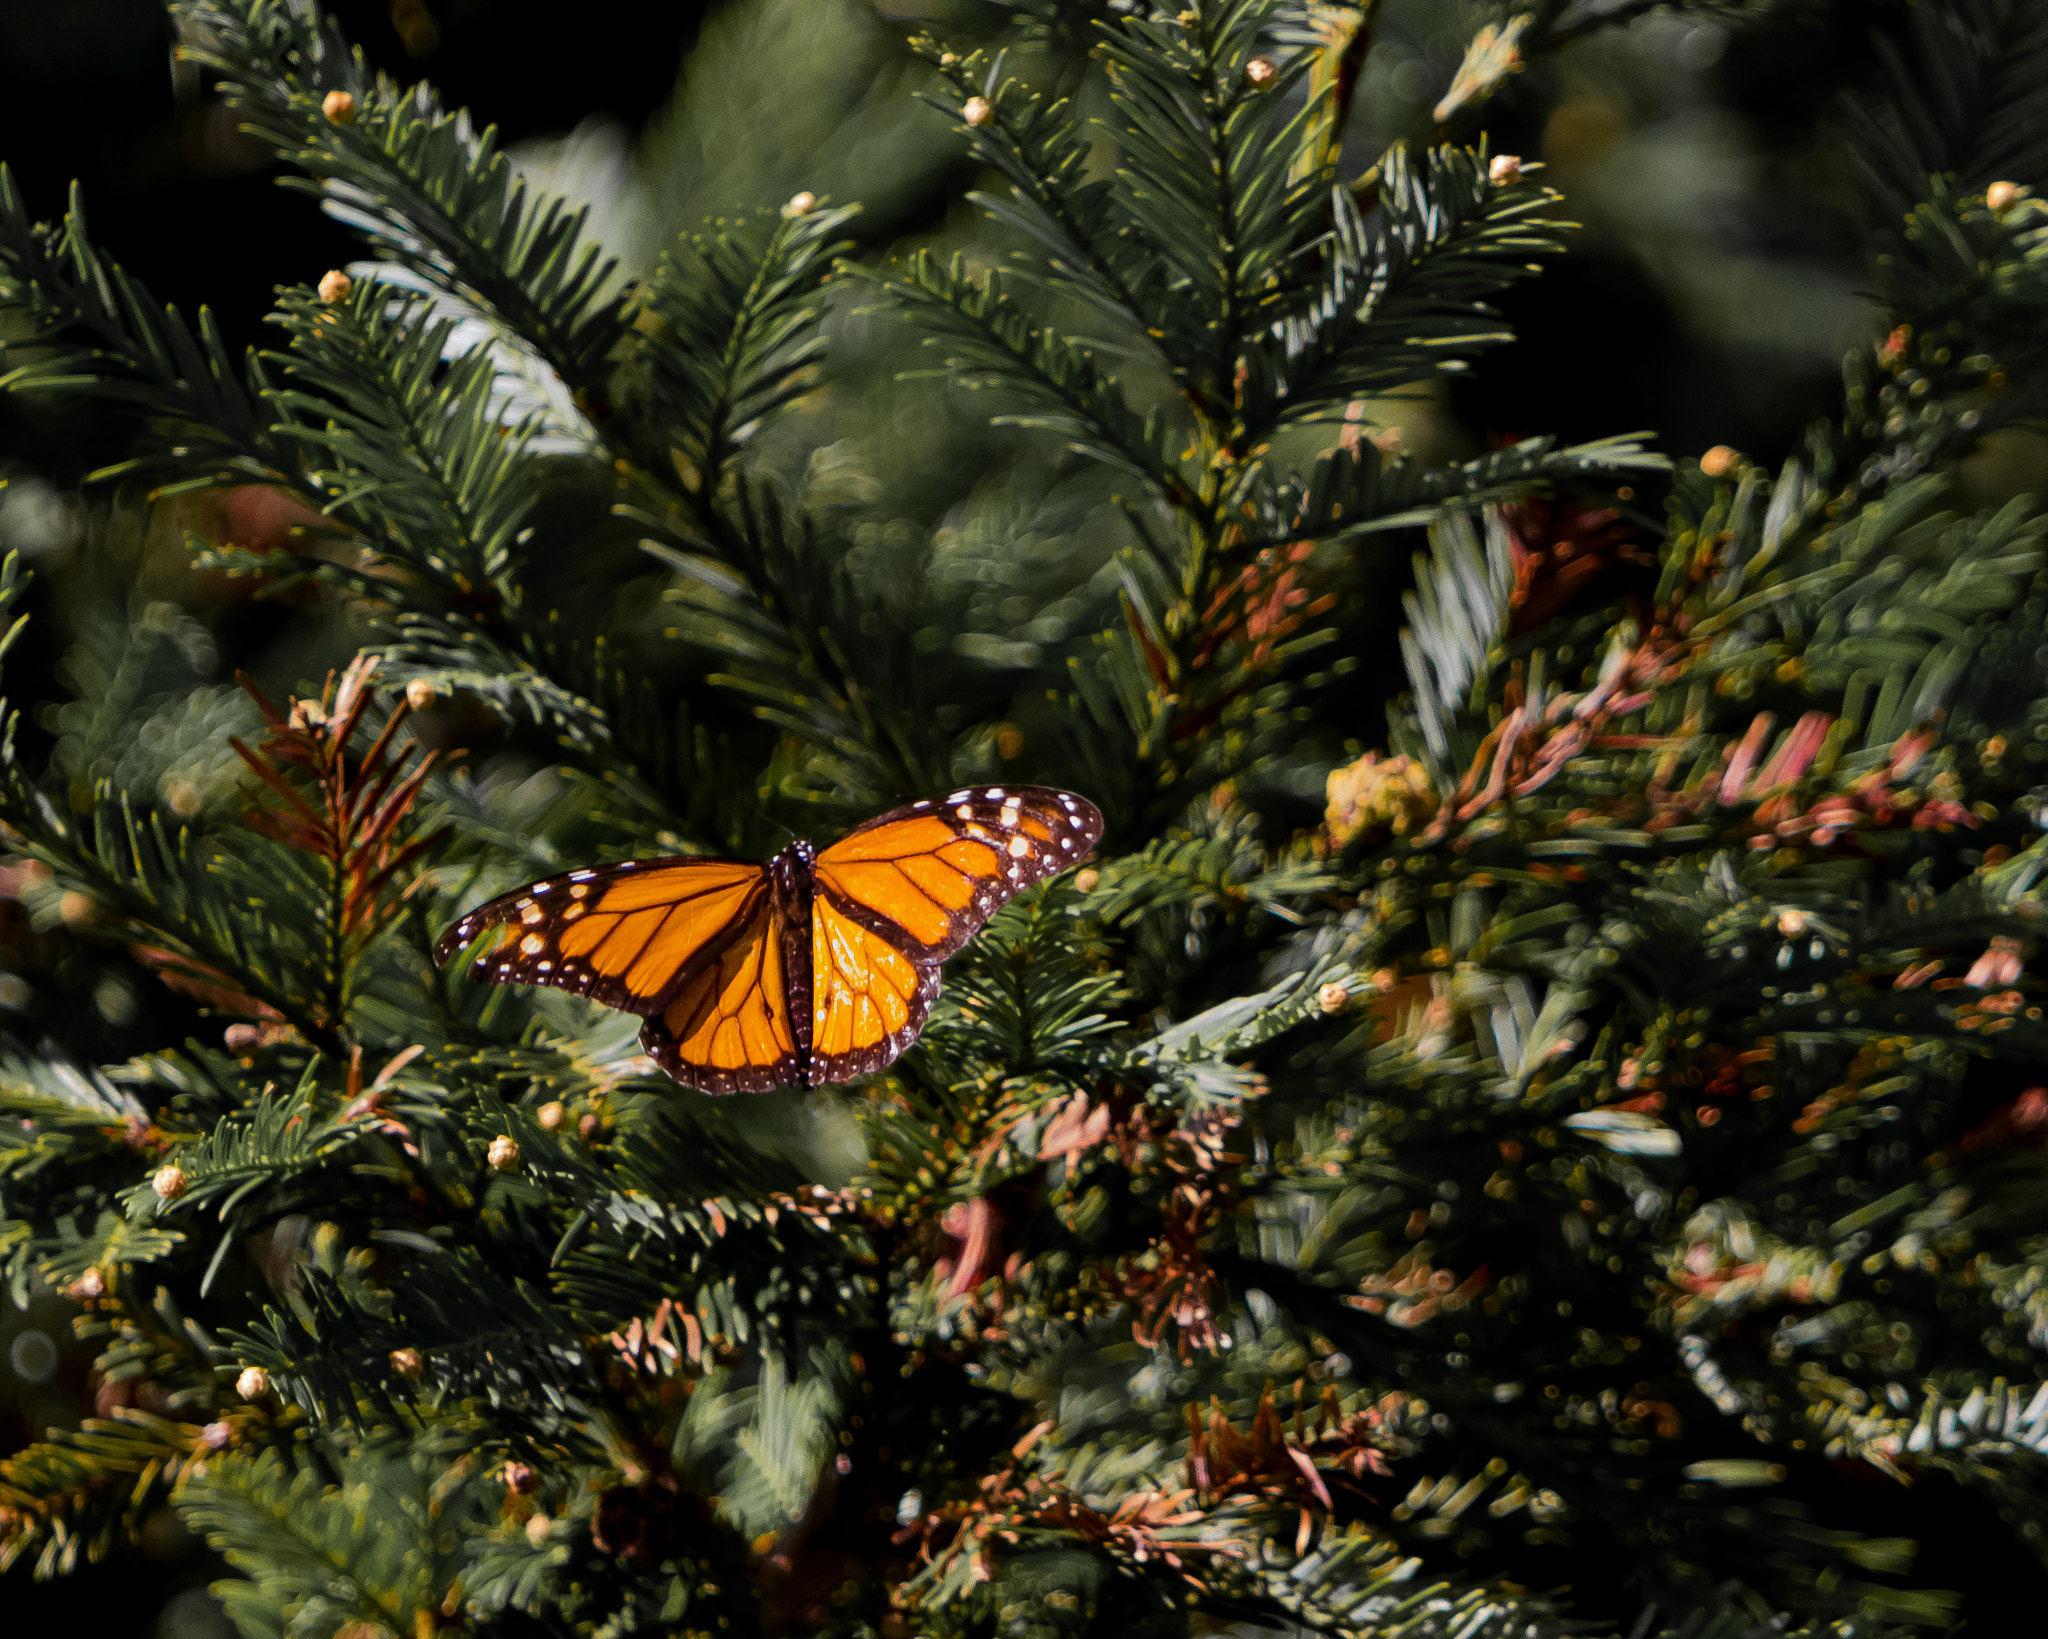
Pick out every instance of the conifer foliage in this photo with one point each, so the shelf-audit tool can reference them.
(1583, 1119)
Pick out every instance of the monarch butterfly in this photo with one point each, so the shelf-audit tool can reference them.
(813, 968)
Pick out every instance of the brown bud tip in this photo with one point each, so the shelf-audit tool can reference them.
(551, 1116)
(503, 1153)
(253, 1384)
(75, 909)
(1261, 70)
(976, 111)
(2002, 196)
(521, 1480)
(88, 1285)
(1791, 923)
(169, 1183)
(242, 1038)
(800, 204)
(419, 694)
(1505, 168)
(339, 107)
(588, 1126)
(1084, 881)
(1719, 461)
(335, 286)
(215, 1435)
(1333, 998)
(406, 1362)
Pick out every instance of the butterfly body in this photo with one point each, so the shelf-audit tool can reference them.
(814, 968)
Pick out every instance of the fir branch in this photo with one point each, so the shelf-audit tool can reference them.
(1208, 177)
(988, 341)
(1961, 100)
(1355, 490)
(91, 328)
(739, 339)
(1042, 150)
(1404, 293)
(416, 180)
(383, 1547)
(409, 446)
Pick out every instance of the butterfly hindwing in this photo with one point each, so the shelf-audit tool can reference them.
(869, 1000)
(737, 1022)
(623, 935)
(928, 876)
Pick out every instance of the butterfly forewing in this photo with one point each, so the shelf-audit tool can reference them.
(623, 935)
(928, 876)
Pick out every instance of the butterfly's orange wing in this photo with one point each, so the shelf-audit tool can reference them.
(623, 935)
(897, 896)
(738, 1022)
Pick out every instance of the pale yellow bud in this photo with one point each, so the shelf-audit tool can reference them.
(976, 111)
(1719, 461)
(334, 286)
(169, 1183)
(800, 204)
(503, 1153)
(339, 107)
(253, 1384)
(420, 694)
(551, 1115)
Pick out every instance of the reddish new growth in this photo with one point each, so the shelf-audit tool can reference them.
(1145, 1527)
(1535, 740)
(1278, 1466)
(1252, 613)
(348, 813)
(1559, 548)
(1174, 1290)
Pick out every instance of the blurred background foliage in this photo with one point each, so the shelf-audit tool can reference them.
(1710, 294)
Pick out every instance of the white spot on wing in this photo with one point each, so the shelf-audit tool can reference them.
(994, 793)
(965, 811)
(581, 876)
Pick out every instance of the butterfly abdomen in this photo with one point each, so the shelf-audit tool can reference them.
(790, 880)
